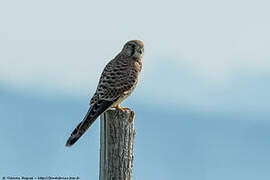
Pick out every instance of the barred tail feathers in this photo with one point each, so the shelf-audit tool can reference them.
(94, 111)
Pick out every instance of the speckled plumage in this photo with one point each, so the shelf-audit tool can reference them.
(117, 81)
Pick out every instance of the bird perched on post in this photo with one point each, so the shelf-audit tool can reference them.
(117, 81)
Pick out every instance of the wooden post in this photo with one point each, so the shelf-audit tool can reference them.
(116, 145)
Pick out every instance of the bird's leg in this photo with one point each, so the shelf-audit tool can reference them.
(121, 108)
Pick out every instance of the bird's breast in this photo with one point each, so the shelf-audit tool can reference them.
(138, 65)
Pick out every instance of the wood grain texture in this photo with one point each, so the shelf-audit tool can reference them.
(116, 145)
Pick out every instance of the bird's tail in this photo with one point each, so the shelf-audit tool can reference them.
(94, 111)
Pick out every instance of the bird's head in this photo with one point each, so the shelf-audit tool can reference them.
(134, 48)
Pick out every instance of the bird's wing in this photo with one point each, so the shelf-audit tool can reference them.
(116, 78)
(103, 99)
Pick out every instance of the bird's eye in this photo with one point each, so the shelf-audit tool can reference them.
(141, 51)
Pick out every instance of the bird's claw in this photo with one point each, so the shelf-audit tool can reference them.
(121, 108)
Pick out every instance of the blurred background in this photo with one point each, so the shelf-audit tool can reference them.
(202, 101)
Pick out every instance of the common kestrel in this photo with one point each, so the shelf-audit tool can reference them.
(117, 81)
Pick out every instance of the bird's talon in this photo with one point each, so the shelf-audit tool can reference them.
(121, 108)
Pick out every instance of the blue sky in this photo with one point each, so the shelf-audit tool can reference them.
(201, 103)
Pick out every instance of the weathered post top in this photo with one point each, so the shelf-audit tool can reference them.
(116, 144)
